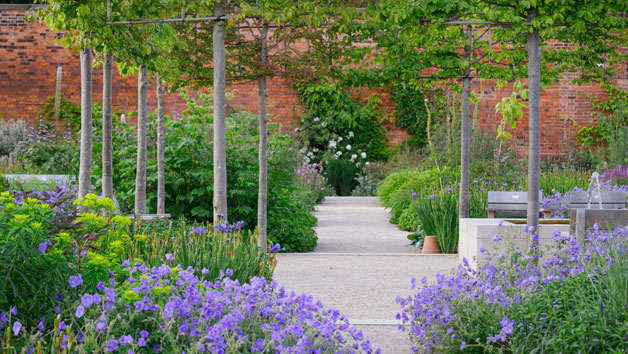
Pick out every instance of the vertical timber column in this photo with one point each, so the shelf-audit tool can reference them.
(107, 127)
(534, 89)
(220, 152)
(140, 180)
(161, 182)
(85, 164)
(262, 199)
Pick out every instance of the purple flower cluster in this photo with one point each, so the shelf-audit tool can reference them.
(228, 228)
(59, 197)
(558, 203)
(180, 313)
(434, 311)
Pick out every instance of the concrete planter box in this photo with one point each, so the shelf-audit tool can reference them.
(25, 178)
(478, 233)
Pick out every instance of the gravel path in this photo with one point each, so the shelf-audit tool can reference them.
(360, 265)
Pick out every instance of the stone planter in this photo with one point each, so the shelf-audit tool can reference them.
(478, 234)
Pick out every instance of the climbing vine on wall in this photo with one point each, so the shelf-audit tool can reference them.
(410, 113)
(608, 138)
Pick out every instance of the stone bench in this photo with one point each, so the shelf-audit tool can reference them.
(609, 200)
(503, 204)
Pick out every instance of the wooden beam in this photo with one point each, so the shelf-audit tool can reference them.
(165, 20)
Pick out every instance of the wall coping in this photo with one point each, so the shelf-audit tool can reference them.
(23, 7)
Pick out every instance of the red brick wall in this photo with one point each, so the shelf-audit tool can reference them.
(29, 58)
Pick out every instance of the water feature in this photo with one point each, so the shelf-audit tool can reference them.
(594, 187)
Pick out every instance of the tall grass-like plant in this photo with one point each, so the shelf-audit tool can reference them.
(564, 180)
(203, 247)
(341, 175)
(438, 214)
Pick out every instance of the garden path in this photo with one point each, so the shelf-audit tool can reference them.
(360, 265)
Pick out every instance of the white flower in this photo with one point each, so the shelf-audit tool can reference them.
(332, 144)
(339, 138)
(338, 153)
(310, 154)
(357, 164)
(363, 155)
(366, 163)
(315, 149)
(348, 147)
(324, 124)
(316, 119)
(351, 134)
(353, 157)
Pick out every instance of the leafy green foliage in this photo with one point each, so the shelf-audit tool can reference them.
(30, 278)
(41, 254)
(511, 110)
(331, 113)
(189, 168)
(396, 191)
(290, 222)
(366, 186)
(341, 175)
(410, 113)
(606, 139)
(201, 247)
(48, 151)
(69, 113)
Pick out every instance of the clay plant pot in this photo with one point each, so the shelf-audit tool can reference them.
(430, 245)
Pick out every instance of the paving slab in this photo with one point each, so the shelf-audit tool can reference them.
(361, 264)
(358, 224)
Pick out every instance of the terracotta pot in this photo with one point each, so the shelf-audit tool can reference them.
(430, 245)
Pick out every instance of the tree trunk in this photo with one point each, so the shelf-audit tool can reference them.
(58, 92)
(463, 202)
(534, 152)
(220, 152)
(107, 127)
(262, 198)
(140, 179)
(463, 205)
(161, 181)
(85, 166)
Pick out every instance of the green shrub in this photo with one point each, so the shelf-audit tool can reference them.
(409, 220)
(366, 186)
(422, 183)
(30, 278)
(11, 134)
(40, 254)
(290, 222)
(331, 114)
(391, 184)
(69, 112)
(189, 167)
(48, 151)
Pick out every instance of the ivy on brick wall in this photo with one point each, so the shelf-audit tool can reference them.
(69, 113)
(607, 140)
(332, 113)
(410, 113)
